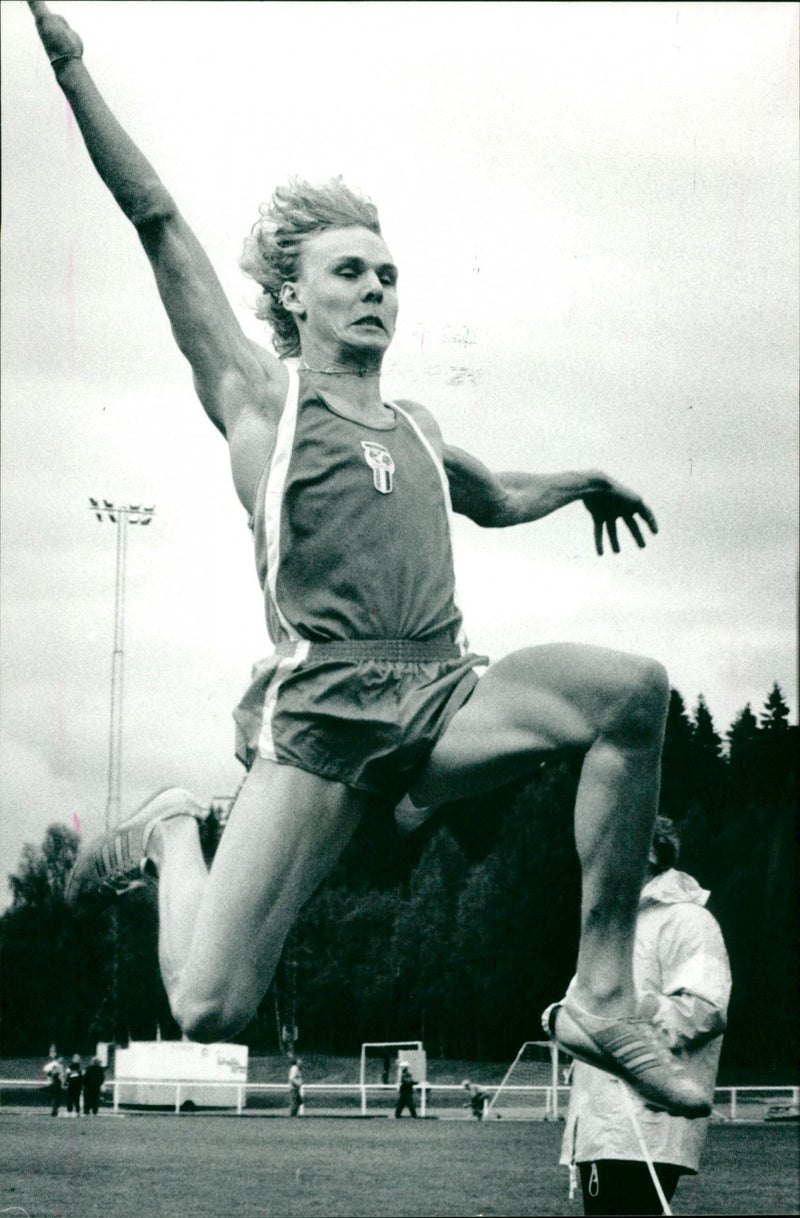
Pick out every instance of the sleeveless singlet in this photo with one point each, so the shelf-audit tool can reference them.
(353, 551)
(352, 529)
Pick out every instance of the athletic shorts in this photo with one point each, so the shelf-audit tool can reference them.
(363, 713)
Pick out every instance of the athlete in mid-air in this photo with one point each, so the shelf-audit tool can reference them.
(370, 689)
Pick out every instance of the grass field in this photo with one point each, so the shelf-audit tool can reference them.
(166, 1166)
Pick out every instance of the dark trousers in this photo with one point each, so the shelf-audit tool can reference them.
(74, 1095)
(296, 1102)
(91, 1099)
(56, 1096)
(617, 1186)
(405, 1101)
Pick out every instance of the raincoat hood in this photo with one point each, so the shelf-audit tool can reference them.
(671, 888)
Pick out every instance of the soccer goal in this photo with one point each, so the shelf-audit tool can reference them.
(529, 1091)
(380, 1068)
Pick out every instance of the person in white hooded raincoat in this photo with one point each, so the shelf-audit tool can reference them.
(681, 961)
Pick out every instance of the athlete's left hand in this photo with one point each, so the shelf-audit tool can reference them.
(612, 503)
(59, 39)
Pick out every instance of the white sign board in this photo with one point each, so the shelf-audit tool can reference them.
(149, 1071)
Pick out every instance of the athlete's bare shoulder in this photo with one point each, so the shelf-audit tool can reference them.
(474, 490)
(255, 399)
(425, 421)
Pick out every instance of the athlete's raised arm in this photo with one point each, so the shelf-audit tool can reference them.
(498, 500)
(233, 376)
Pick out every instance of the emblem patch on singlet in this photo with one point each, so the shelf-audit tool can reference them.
(379, 459)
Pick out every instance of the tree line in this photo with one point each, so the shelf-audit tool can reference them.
(458, 934)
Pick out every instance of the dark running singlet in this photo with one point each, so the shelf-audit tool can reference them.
(352, 530)
(353, 551)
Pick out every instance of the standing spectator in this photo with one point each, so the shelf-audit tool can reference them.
(296, 1087)
(405, 1090)
(681, 967)
(74, 1085)
(93, 1080)
(476, 1098)
(55, 1072)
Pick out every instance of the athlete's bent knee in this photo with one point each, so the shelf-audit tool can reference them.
(642, 712)
(207, 1020)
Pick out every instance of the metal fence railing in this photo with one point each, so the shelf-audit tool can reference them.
(742, 1104)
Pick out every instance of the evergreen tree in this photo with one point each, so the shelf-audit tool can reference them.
(423, 943)
(474, 955)
(775, 715)
(705, 739)
(754, 887)
(703, 791)
(42, 875)
(517, 920)
(346, 970)
(743, 749)
(43, 997)
(778, 747)
(677, 759)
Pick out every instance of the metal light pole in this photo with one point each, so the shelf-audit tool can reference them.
(120, 515)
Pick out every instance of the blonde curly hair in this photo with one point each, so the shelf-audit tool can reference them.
(271, 254)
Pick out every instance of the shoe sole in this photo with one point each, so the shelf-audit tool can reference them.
(562, 1027)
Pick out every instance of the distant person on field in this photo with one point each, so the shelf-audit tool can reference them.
(681, 966)
(476, 1098)
(74, 1085)
(405, 1090)
(55, 1072)
(296, 1088)
(93, 1079)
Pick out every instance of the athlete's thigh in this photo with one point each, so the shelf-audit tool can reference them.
(527, 706)
(285, 833)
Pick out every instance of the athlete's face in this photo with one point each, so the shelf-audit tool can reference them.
(345, 297)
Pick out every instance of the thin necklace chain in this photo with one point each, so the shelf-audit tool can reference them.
(360, 372)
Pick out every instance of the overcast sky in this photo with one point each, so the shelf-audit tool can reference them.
(593, 208)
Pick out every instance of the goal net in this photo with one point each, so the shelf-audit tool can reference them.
(380, 1070)
(530, 1089)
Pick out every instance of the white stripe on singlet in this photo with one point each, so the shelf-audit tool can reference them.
(273, 503)
(273, 495)
(461, 641)
(273, 513)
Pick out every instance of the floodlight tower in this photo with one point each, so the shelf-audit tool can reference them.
(120, 515)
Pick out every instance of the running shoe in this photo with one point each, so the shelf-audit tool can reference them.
(116, 862)
(632, 1049)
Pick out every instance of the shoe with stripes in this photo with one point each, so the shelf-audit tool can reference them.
(633, 1050)
(117, 863)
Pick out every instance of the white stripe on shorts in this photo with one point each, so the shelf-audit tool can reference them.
(284, 667)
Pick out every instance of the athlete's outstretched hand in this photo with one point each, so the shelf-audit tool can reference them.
(612, 503)
(58, 38)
